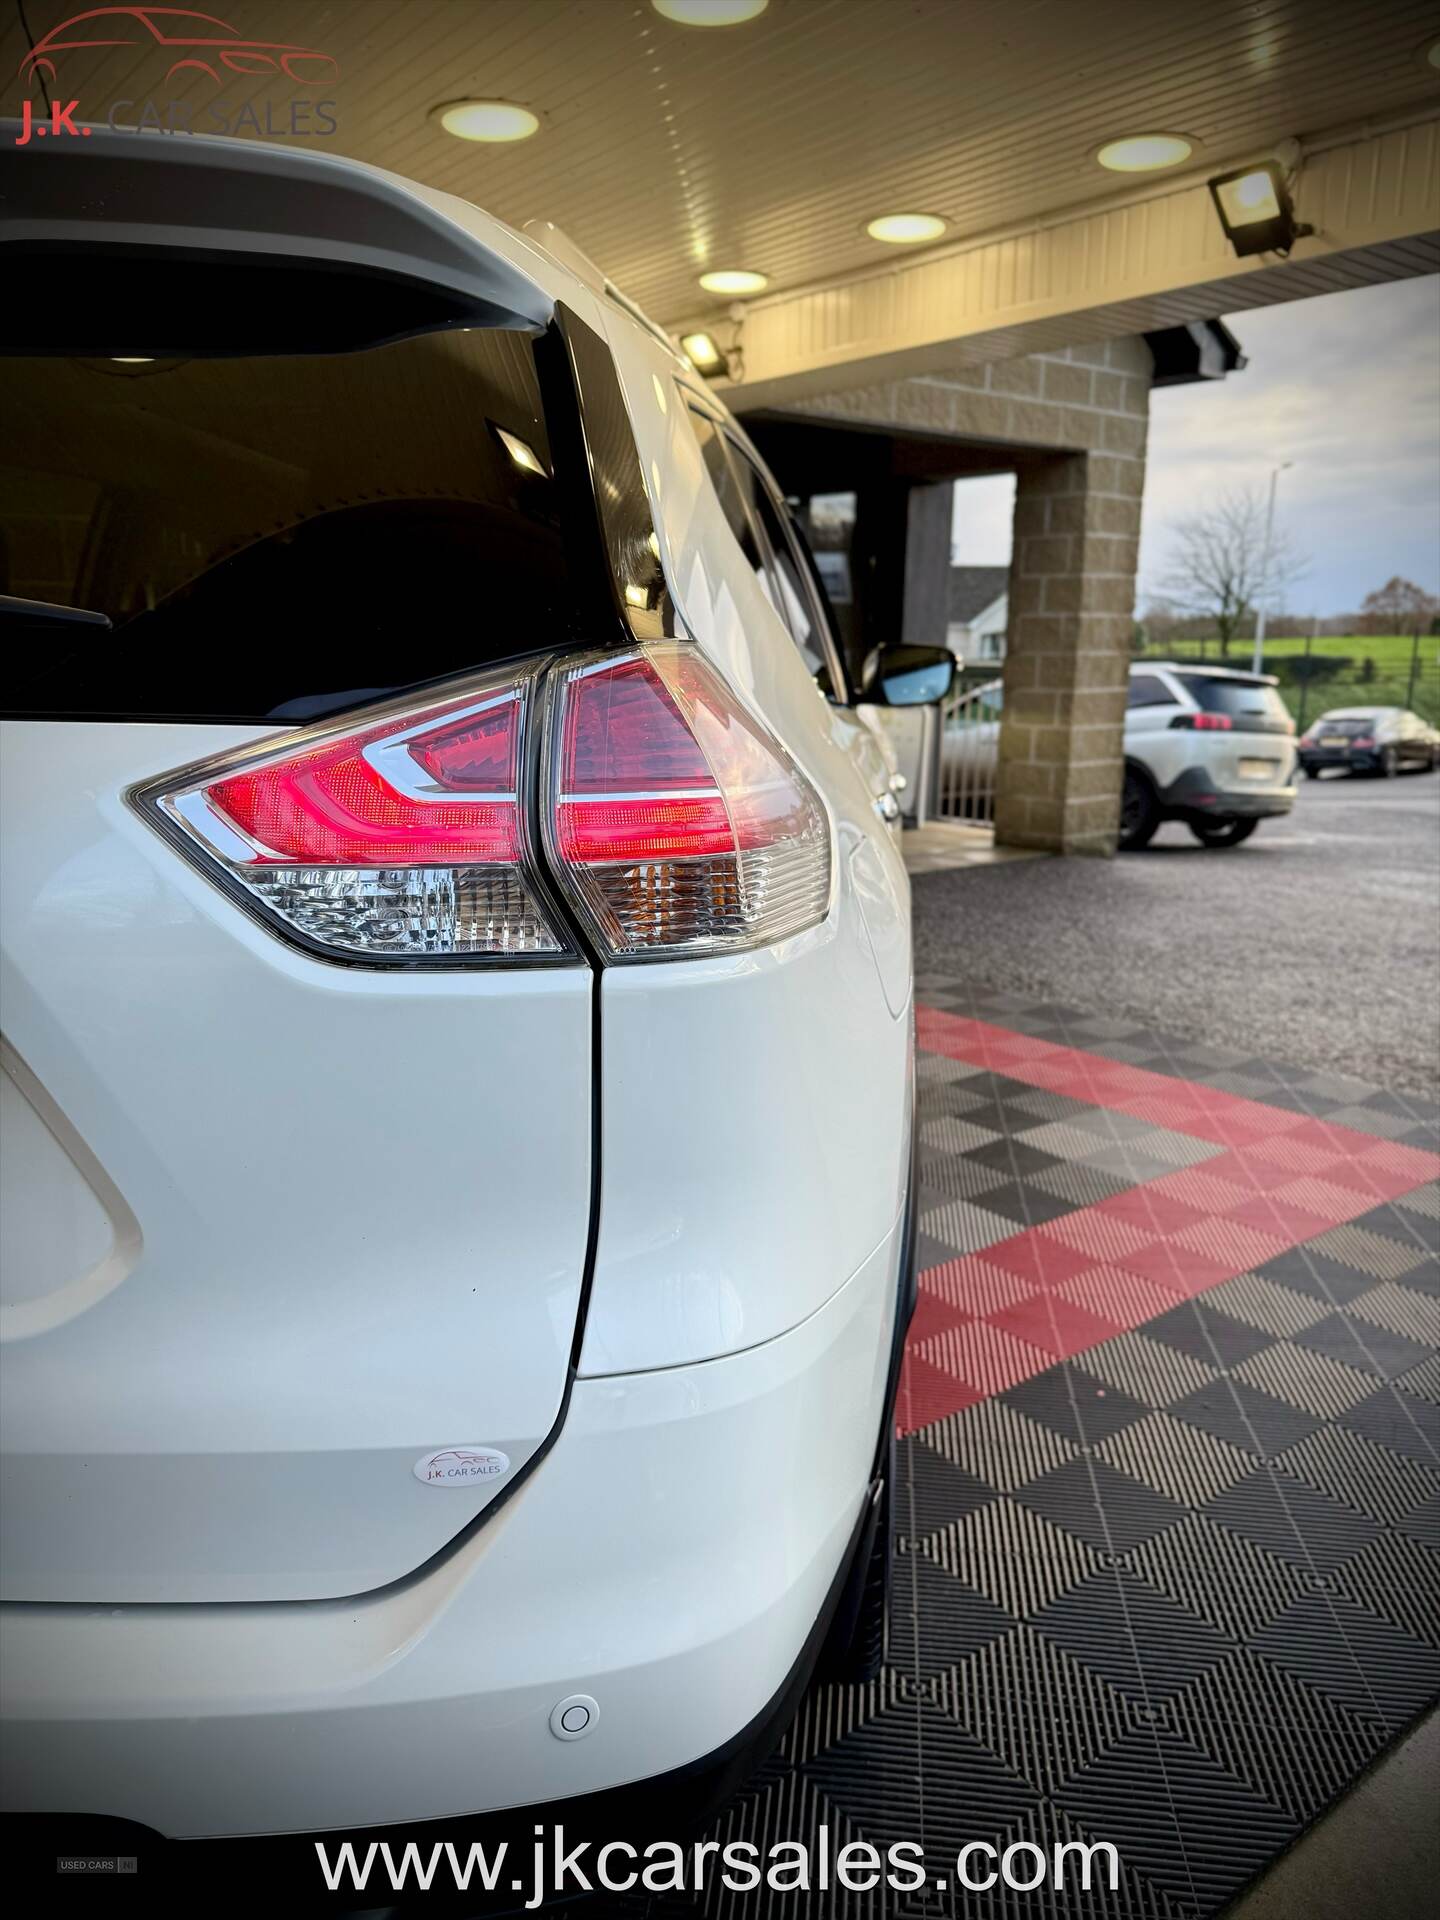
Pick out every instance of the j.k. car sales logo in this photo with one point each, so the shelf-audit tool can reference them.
(193, 47)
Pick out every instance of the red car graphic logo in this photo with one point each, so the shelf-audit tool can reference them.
(200, 43)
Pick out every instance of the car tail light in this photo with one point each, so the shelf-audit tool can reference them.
(1204, 722)
(398, 839)
(676, 823)
(1363, 740)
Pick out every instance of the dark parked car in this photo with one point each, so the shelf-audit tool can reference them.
(1369, 740)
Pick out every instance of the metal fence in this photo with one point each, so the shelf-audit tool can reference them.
(1318, 673)
(969, 747)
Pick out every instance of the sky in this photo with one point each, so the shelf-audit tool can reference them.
(1348, 388)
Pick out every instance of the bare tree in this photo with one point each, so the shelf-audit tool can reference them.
(1220, 568)
(1399, 607)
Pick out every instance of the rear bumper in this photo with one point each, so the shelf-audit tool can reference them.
(1197, 791)
(1357, 761)
(669, 1558)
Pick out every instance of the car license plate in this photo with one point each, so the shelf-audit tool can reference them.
(1332, 740)
(1258, 769)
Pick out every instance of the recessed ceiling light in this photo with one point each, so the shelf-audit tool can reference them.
(1428, 54)
(1145, 152)
(734, 280)
(709, 13)
(906, 229)
(486, 120)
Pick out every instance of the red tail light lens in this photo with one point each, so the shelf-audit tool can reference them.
(398, 839)
(1204, 722)
(679, 825)
(675, 824)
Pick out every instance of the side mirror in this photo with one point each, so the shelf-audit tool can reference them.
(910, 677)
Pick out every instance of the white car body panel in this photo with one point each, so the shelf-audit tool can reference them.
(323, 1225)
(732, 1486)
(361, 1202)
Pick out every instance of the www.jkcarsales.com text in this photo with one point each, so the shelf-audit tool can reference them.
(551, 1867)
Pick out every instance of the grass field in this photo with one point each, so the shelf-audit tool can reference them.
(1342, 670)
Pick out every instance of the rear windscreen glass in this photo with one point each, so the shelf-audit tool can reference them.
(1242, 700)
(276, 538)
(1350, 726)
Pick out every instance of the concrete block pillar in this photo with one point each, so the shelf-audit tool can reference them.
(1072, 592)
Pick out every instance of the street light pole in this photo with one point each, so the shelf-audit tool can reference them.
(1257, 665)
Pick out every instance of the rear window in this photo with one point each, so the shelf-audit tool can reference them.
(277, 538)
(1242, 700)
(1351, 725)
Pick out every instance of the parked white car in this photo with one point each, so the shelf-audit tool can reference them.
(1206, 745)
(459, 1062)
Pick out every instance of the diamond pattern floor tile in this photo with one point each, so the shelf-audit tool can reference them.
(1168, 1493)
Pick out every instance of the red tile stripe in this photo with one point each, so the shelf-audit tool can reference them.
(987, 1321)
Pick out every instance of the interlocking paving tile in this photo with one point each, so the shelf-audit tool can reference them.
(1292, 1519)
(1295, 1747)
(1026, 1203)
(965, 1226)
(1258, 1302)
(1344, 1650)
(1195, 1328)
(1372, 1253)
(1074, 1405)
(1423, 1379)
(1401, 1310)
(1371, 1478)
(1141, 1640)
(934, 1491)
(1398, 1420)
(1000, 1444)
(1152, 1781)
(1362, 1346)
(1399, 1222)
(1176, 1588)
(1423, 1200)
(1396, 1576)
(1245, 1416)
(951, 1135)
(1017, 1559)
(1234, 1583)
(1147, 1369)
(1422, 1523)
(1106, 1508)
(1044, 1713)
(1313, 1381)
(1185, 1463)
(1079, 1183)
(936, 1619)
(985, 1793)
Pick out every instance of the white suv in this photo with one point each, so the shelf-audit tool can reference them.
(1208, 746)
(459, 1060)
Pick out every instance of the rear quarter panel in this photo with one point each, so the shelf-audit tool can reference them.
(755, 1108)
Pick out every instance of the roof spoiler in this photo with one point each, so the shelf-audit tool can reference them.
(354, 257)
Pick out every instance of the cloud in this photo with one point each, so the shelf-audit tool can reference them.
(1348, 387)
